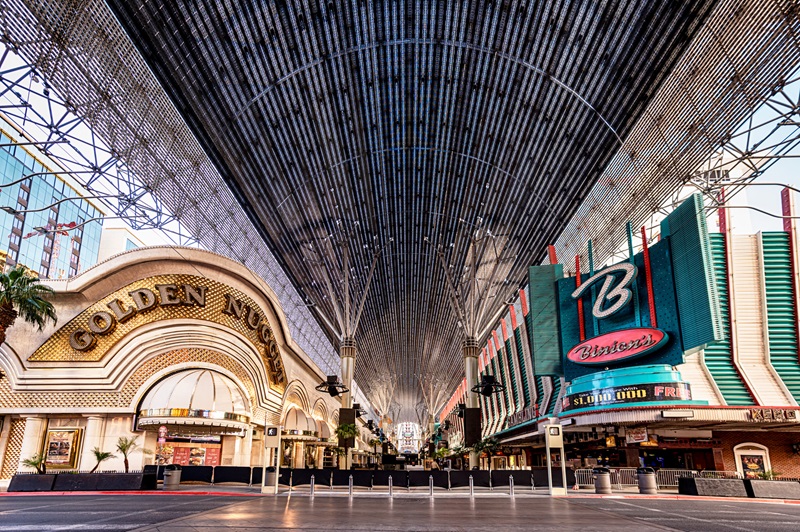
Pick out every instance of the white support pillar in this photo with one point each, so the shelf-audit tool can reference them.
(347, 352)
(32, 439)
(93, 437)
(470, 350)
(242, 448)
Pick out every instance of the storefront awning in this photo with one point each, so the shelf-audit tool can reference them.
(297, 426)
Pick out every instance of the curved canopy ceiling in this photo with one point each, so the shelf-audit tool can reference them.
(459, 137)
(473, 128)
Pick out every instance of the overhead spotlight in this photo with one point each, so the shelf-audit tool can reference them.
(332, 386)
(359, 411)
(446, 424)
(461, 408)
(370, 424)
(488, 386)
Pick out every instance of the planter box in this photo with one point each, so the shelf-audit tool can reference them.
(712, 487)
(84, 482)
(32, 483)
(772, 489)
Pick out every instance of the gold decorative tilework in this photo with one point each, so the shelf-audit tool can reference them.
(58, 348)
(123, 398)
(11, 460)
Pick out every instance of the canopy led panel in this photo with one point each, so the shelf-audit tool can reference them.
(409, 126)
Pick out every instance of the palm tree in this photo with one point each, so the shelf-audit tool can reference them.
(100, 456)
(127, 446)
(21, 294)
(37, 461)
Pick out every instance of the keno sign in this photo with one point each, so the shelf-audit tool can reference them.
(611, 348)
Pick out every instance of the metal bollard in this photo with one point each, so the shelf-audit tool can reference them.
(391, 487)
(350, 486)
(311, 493)
(471, 487)
(511, 485)
(430, 485)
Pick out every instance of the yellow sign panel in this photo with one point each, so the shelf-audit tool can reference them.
(90, 334)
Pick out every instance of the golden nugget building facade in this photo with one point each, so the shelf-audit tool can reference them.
(184, 348)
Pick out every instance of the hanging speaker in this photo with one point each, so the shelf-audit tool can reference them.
(472, 426)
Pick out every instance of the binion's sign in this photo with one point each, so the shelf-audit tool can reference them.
(617, 346)
(649, 309)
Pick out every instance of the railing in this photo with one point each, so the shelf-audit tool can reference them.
(624, 476)
(669, 477)
(720, 474)
(584, 478)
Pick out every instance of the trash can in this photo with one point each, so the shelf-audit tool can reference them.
(647, 480)
(270, 476)
(602, 480)
(172, 477)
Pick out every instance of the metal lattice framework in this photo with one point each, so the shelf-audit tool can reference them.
(52, 126)
(410, 121)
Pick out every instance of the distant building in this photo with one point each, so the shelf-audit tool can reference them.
(52, 254)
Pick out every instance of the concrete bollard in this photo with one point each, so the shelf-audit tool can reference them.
(311, 491)
(391, 487)
(430, 485)
(511, 485)
(350, 486)
(471, 487)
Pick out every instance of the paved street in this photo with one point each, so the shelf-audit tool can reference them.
(193, 513)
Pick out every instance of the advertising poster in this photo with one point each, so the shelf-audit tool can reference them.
(61, 448)
(752, 465)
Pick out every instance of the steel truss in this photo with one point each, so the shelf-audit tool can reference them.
(52, 126)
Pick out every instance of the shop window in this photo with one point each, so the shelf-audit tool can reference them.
(752, 459)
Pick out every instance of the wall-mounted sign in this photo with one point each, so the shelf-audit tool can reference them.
(635, 434)
(532, 412)
(92, 333)
(61, 448)
(637, 393)
(649, 309)
(613, 347)
(772, 414)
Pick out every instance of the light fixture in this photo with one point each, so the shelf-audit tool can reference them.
(359, 411)
(332, 386)
(488, 386)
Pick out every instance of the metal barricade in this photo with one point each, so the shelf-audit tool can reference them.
(584, 478)
(669, 477)
(624, 477)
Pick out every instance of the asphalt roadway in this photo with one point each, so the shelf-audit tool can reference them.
(211, 513)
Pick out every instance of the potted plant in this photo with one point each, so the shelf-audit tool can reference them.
(21, 294)
(100, 456)
(38, 462)
(346, 432)
(127, 446)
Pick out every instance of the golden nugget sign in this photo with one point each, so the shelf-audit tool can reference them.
(95, 330)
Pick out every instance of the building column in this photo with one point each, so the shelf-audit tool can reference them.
(347, 352)
(319, 459)
(243, 447)
(470, 351)
(32, 440)
(92, 437)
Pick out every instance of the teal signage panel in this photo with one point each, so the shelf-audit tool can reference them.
(545, 346)
(695, 285)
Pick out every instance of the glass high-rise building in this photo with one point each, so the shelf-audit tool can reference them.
(54, 255)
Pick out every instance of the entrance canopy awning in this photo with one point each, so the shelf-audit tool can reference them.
(299, 427)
